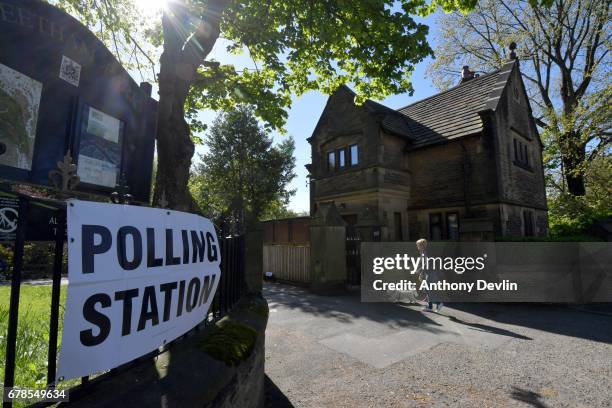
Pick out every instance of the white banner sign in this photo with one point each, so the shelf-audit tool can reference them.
(138, 278)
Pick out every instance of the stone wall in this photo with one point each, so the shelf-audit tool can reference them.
(520, 184)
(220, 366)
(440, 174)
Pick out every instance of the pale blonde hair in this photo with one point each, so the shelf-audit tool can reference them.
(421, 245)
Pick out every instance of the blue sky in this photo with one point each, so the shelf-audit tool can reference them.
(306, 109)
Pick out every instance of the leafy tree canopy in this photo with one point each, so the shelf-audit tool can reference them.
(243, 173)
(564, 52)
(296, 46)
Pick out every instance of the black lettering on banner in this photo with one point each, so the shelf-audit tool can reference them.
(212, 247)
(99, 319)
(126, 296)
(167, 289)
(152, 261)
(148, 311)
(170, 258)
(198, 246)
(185, 236)
(209, 282)
(89, 248)
(121, 247)
(192, 298)
(179, 306)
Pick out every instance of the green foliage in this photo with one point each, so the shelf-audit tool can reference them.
(6, 258)
(276, 211)
(570, 215)
(37, 259)
(242, 171)
(230, 342)
(128, 33)
(564, 57)
(295, 47)
(305, 45)
(32, 334)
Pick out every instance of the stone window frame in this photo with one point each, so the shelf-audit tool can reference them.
(331, 160)
(521, 151)
(446, 219)
(341, 158)
(528, 227)
(350, 155)
(438, 224)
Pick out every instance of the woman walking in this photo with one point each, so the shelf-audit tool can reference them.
(429, 276)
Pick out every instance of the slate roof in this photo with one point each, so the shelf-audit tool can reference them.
(393, 121)
(450, 114)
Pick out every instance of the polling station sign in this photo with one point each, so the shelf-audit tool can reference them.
(138, 278)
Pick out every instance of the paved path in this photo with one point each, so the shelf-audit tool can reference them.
(339, 352)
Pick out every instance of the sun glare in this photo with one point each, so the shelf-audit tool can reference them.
(150, 5)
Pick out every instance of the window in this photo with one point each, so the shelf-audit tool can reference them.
(354, 153)
(341, 158)
(521, 153)
(435, 227)
(528, 221)
(452, 226)
(397, 223)
(516, 151)
(331, 160)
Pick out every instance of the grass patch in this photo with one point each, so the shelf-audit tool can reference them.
(32, 335)
(230, 342)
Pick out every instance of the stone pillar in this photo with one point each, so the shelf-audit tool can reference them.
(327, 251)
(253, 257)
(368, 225)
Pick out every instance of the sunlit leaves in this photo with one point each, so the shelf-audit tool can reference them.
(242, 171)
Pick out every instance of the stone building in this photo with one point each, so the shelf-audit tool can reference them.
(462, 164)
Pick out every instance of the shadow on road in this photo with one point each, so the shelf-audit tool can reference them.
(275, 398)
(556, 319)
(489, 329)
(348, 308)
(528, 397)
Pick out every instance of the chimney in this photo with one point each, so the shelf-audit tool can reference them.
(466, 74)
(512, 48)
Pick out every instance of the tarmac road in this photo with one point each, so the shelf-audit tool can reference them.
(339, 352)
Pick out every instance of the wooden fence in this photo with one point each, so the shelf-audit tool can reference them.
(287, 262)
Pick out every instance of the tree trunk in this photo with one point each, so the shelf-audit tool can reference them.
(174, 146)
(573, 155)
(179, 62)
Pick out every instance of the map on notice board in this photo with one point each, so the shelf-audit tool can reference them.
(19, 104)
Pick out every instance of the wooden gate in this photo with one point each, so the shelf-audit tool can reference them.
(353, 257)
(288, 262)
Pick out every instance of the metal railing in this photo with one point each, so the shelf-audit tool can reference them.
(230, 289)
